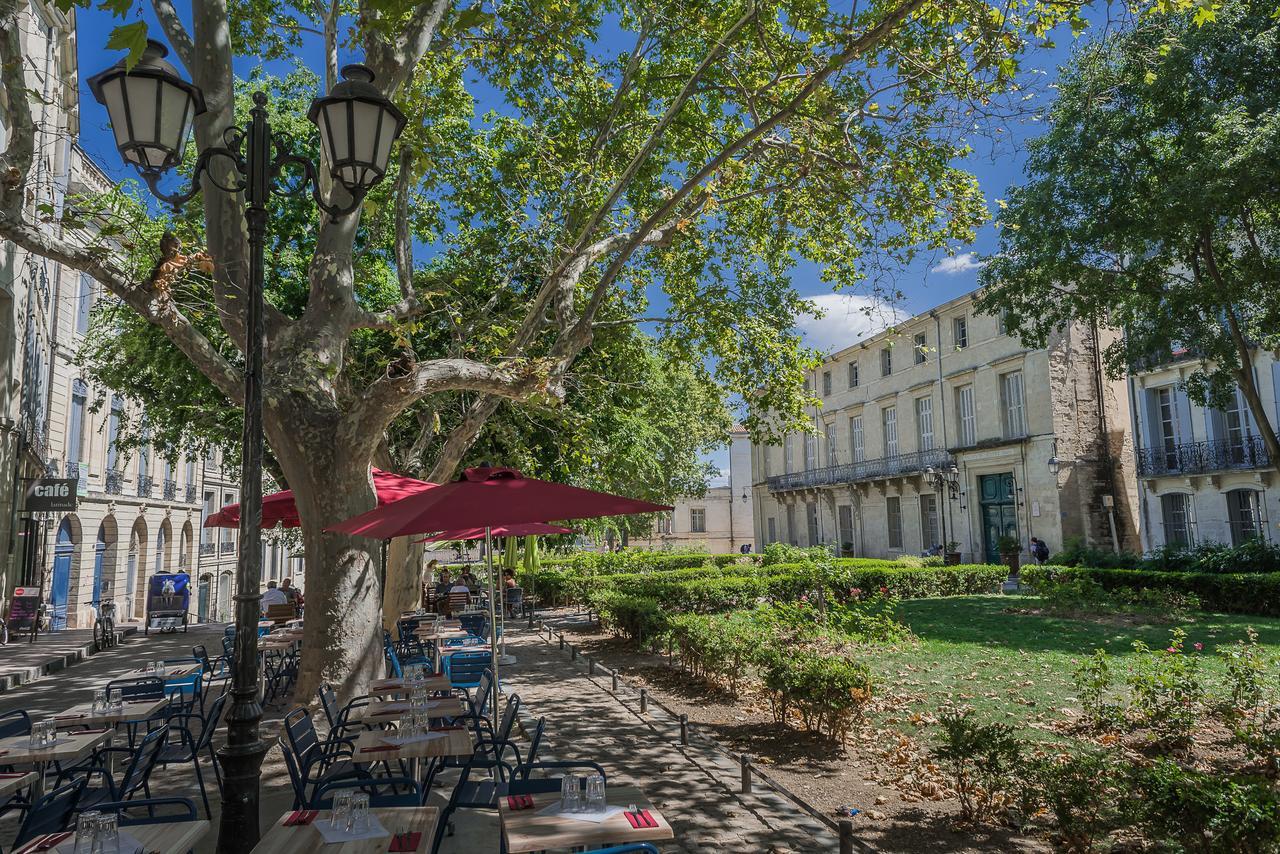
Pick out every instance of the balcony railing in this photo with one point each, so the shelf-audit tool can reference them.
(207, 549)
(1204, 457)
(72, 469)
(144, 486)
(114, 482)
(878, 469)
(191, 493)
(170, 490)
(228, 548)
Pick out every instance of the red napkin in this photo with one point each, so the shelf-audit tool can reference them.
(300, 818)
(405, 842)
(640, 819)
(520, 802)
(379, 748)
(52, 841)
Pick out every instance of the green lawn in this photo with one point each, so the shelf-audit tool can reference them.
(1013, 666)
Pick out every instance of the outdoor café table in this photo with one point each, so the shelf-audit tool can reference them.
(166, 837)
(306, 838)
(525, 830)
(393, 686)
(371, 746)
(131, 712)
(441, 707)
(170, 671)
(12, 782)
(70, 747)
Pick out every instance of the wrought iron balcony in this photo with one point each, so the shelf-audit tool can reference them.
(877, 469)
(144, 486)
(1204, 457)
(114, 482)
(207, 549)
(73, 469)
(191, 493)
(228, 547)
(170, 490)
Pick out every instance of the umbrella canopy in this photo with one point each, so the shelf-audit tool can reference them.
(532, 529)
(490, 497)
(279, 508)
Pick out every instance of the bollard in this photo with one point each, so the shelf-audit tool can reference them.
(591, 666)
(846, 836)
(684, 729)
(615, 681)
(746, 773)
(562, 641)
(573, 652)
(644, 701)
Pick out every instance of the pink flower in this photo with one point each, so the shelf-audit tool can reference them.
(855, 592)
(884, 590)
(1199, 646)
(804, 598)
(1172, 649)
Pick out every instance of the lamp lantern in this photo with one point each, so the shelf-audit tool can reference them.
(358, 126)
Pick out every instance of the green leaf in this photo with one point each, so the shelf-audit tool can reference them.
(130, 37)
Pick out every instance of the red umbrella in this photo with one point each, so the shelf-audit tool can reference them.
(533, 529)
(279, 508)
(489, 497)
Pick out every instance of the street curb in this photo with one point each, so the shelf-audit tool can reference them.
(27, 675)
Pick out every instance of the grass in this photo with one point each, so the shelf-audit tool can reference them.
(1016, 667)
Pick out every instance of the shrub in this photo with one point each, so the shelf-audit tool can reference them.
(829, 693)
(984, 761)
(786, 553)
(1076, 553)
(1084, 793)
(1076, 594)
(634, 616)
(1166, 692)
(1094, 680)
(1193, 810)
(1237, 593)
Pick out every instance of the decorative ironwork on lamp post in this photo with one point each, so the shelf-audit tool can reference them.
(152, 109)
(946, 481)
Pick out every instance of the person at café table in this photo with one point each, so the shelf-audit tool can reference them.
(468, 579)
(273, 596)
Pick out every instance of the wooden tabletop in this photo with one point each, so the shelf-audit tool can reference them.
(387, 687)
(456, 742)
(446, 651)
(134, 710)
(306, 839)
(525, 830)
(441, 707)
(431, 633)
(16, 750)
(169, 837)
(171, 671)
(272, 643)
(10, 783)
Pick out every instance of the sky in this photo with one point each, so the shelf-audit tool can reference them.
(931, 279)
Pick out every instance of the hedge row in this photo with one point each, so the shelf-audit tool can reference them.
(635, 561)
(1236, 593)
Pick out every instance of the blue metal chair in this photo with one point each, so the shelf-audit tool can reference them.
(215, 669)
(17, 722)
(186, 810)
(478, 794)
(184, 692)
(140, 688)
(51, 813)
(316, 762)
(464, 669)
(190, 745)
(339, 717)
(142, 761)
(383, 792)
(393, 663)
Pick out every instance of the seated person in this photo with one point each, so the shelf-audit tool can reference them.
(273, 596)
(468, 579)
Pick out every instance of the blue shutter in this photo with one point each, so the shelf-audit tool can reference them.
(1183, 406)
(1150, 418)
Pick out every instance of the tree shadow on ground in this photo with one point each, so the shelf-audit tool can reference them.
(915, 830)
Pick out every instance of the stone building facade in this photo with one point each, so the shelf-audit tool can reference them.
(720, 520)
(1038, 439)
(1204, 474)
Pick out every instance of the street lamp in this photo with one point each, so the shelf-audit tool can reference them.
(151, 109)
(945, 481)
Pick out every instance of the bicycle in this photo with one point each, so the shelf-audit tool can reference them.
(104, 627)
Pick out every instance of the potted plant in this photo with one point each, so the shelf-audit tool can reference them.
(846, 550)
(1009, 549)
(952, 555)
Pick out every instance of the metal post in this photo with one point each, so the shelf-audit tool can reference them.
(591, 666)
(493, 628)
(615, 681)
(562, 641)
(573, 652)
(846, 836)
(644, 701)
(684, 729)
(241, 757)
(745, 761)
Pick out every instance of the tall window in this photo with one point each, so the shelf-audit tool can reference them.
(1002, 323)
(924, 423)
(960, 332)
(786, 454)
(886, 361)
(765, 451)
(1011, 400)
(929, 521)
(113, 433)
(230, 540)
(190, 475)
(853, 375)
(890, 423)
(845, 515)
(810, 451)
(1244, 512)
(84, 301)
(771, 530)
(697, 520)
(826, 383)
(920, 348)
(208, 510)
(75, 430)
(665, 523)
(1237, 428)
(893, 513)
(1175, 513)
(1168, 426)
(791, 525)
(811, 519)
(831, 444)
(966, 416)
(857, 449)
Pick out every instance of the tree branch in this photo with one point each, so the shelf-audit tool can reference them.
(175, 31)
(395, 63)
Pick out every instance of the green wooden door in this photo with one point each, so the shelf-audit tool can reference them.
(999, 512)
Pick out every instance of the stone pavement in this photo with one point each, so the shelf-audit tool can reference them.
(696, 786)
(22, 661)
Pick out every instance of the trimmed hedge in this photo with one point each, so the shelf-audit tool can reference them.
(635, 561)
(1235, 593)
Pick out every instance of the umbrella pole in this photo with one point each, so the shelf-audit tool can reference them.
(507, 560)
(493, 628)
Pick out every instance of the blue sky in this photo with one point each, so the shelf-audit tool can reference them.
(933, 278)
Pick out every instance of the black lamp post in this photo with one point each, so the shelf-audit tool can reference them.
(151, 110)
(946, 481)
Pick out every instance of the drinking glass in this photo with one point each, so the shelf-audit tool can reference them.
(570, 793)
(360, 812)
(406, 724)
(341, 815)
(117, 698)
(108, 835)
(160, 667)
(595, 793)
(100, 700)
(420, 721)
(86, 830)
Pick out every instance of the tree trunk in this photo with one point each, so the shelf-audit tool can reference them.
(1249, 388)
(403, 588)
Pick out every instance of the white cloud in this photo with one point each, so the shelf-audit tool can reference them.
(846, 319)
(721, 479)
(957, 264)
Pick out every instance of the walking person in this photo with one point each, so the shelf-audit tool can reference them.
(1039, 551)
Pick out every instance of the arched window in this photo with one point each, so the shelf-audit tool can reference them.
(160, 550)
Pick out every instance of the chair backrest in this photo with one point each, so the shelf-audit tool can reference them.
(329, 703)
(466, 668)
(211, 719)
(475, 624)
(51, 813)
(282, 613)
(300, 731)
(514, 597)
(383, 792)
(509, 718)
(393, 663)
(138, 688)
(229, 631)
(201, 654)
(142, 762)
(406, 627)
(295, 777)
(458, 601)
(535, 744)
(229, 647)
(184, 810)
(17, 722)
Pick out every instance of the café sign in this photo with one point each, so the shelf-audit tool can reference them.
(51, 495)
